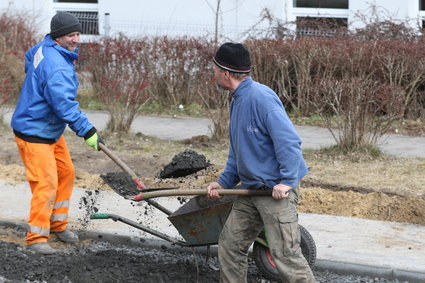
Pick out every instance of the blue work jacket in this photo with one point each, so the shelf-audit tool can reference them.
(47, 100)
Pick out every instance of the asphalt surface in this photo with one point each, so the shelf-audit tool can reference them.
(348, 245)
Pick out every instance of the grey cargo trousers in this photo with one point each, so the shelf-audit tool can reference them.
(246, 220)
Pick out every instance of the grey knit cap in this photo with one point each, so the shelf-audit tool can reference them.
(64, 23)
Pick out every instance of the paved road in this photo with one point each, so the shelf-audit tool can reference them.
(179, 128)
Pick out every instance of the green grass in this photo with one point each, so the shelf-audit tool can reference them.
(352, 153)
(155, 107)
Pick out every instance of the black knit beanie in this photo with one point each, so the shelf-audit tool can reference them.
(64, 23)
(233, 57)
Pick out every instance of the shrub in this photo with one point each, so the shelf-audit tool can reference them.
(126, 72)
(16, 36)
(119, 78)
(381, 75)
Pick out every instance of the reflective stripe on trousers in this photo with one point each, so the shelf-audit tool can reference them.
(50, 173)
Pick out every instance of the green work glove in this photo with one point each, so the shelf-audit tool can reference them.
(94, 140)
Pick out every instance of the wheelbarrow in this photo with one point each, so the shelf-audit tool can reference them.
(200, 221)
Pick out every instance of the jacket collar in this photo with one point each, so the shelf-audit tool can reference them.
(48, 41)
(238, 92)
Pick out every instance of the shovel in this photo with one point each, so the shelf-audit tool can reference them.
(167, 193)
(163, 193)
(133, 175)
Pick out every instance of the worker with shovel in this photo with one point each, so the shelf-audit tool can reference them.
(45, 106)
(264, 154)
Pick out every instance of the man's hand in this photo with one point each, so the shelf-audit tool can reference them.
(281, 191)
(93, 141)
(212, 193)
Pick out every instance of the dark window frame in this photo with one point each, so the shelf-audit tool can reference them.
(77, 1)
(321, 4)
(320, 26)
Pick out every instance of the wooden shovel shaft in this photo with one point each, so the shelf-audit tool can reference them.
(191, 192)
(122, 165)
(133, 175)
(118, 161)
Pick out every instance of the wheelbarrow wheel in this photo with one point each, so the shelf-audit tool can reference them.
(263, 258)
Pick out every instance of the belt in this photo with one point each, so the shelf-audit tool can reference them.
(263, 188)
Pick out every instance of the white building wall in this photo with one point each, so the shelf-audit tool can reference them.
(197, 17)
(188, 17)
(170, 17)
(38, 12)
(406, 11)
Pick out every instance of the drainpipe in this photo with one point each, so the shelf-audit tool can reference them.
(107, 24)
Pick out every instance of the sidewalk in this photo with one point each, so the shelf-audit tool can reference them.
(349, 245)
(179, 128)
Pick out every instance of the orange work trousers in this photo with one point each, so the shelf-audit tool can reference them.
(51, 175)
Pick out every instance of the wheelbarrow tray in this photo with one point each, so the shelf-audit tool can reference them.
(201, 219)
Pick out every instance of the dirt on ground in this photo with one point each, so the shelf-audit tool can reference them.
(387, 188)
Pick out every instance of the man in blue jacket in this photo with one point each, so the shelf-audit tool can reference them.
(264, 154)
(45, 106)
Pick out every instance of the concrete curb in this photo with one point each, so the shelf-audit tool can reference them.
(372, 271)
(334, 266)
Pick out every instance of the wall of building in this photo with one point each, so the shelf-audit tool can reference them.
(145, 17)
(362, 12)
(38, 12)
(193, 17)
(197, 17)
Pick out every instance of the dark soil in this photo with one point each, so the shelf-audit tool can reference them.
(121, 183)
(103, 262)
(92, 261)
(183, 164)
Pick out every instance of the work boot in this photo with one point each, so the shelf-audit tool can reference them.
(67, 236)
(42, 248)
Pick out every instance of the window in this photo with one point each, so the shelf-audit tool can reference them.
(321, 23)
(77, 1)
(333, 4)
(89, 21)
(319, 26)
(422, 5)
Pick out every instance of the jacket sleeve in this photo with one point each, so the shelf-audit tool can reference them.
(229, 178)
(287, 146)
(60, 93)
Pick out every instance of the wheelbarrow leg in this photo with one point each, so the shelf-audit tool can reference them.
(158, 206)
(116, 217)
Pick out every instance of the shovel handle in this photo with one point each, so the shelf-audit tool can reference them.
(122, 165)
(191, 192)
(133, 175)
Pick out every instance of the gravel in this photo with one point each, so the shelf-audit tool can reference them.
(92, 261)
